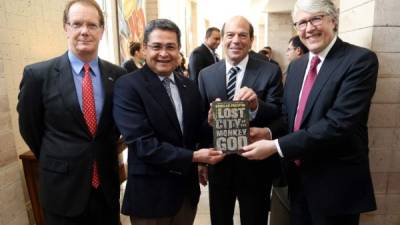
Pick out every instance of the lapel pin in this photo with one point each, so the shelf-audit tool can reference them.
(110, 78)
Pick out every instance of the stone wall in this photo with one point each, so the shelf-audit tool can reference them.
(374, 24)
(280, 30)
(30, 31)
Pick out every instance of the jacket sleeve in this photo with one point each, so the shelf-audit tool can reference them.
(30, 110)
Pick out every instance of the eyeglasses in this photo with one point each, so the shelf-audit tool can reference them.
(315, 21)
(159, 47)
(79, 26)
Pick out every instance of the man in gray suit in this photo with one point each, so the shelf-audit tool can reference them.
(258, 82)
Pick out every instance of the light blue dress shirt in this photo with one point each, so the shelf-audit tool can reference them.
(78, 73)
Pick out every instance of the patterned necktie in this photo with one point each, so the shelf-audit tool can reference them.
(89, 113)
(230, 87)
(308, 84)
(166, 82)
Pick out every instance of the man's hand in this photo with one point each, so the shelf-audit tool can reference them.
(207, 155)
(259, 133)
(210, 115)
(247, 94)
(203, 174)
(259, 150)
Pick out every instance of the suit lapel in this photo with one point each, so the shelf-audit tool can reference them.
(250, 75)
(107, 81)
(332, 61)
(220, 81)
(160, 95)
(293, 95)
(67, 89)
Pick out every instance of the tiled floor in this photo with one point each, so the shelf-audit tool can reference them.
(203, 212)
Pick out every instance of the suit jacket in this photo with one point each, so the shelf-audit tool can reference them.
(253, 54)
(200, 58)
(333, 137)
(160, 168)
(130, 66)
(265, 80)
(52, 124)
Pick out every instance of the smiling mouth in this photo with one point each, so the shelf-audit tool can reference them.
(163, 61)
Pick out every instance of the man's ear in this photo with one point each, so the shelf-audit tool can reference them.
(298, 51)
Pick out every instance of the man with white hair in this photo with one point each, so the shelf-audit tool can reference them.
(326, 104)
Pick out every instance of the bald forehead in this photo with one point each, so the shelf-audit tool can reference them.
(238, 21)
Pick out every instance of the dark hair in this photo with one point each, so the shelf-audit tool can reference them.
(296, 43)
(268, 47)
(262, 51)
(161, 24)
(183, 61)
(251, 29)
(134, 47)
(210, 30)
(83, 2)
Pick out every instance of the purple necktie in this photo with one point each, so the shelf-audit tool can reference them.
(308, 84)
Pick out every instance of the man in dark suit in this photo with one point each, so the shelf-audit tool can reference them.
(257, 55)
(204, 55)
(159, 115)
(65, 118)
(258, 82)
(326, 104)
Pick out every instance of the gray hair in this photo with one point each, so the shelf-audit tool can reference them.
(161, 24)
(314, 6)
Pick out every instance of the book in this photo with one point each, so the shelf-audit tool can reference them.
(230, 125)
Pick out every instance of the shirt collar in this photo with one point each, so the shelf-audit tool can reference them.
(212, 51)
(77, 64)
(322, 55)
(242, 64)
(171, 77)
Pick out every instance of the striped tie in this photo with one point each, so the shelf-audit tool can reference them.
(230, 88)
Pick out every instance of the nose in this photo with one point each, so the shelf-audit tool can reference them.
(84, 30)
(163, 52)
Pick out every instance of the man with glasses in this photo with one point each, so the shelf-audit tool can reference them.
(326, 104)
(65, 118)
(159, 115)
(295, 50)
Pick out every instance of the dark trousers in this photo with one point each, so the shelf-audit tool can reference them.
(185, 216)
(302, 215)
(97, 212)
(234, 178)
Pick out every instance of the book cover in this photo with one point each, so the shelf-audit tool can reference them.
(231, 125)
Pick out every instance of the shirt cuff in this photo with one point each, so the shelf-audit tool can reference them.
(276, 142)
(253, 114)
